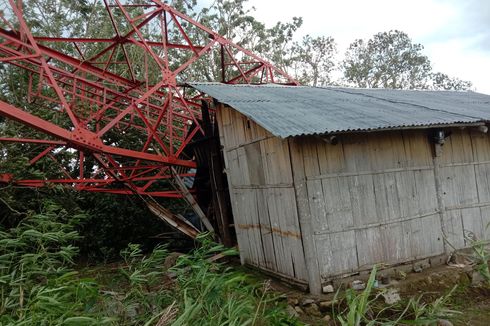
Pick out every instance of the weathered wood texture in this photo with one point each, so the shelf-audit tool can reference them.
(339, 209)
(465, 178)
(262, 195)
(371, 199)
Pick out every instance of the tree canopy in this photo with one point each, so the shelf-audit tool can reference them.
(392, 60)
(442, 81)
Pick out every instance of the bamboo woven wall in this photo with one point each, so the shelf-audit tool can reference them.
(314, 211)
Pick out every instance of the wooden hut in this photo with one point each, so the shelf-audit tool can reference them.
(327, 182)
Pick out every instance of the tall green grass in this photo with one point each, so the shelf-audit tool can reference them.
(39, 284)
(481, 255)
(364, 308)
(213, 294)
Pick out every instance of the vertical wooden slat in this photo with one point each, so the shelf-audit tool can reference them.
(264, 208)
(295, 240)
(284, 263)
(336, 253)
(296, 151)
(266, 234)
(243, 240)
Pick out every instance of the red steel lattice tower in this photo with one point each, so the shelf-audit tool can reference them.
(119, 106)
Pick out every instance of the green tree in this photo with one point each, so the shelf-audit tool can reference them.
(313, 60)
(388, 60)
(277, 46)
(234, 21)
(442, 81)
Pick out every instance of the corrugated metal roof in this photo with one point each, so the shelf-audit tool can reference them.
(298, 110)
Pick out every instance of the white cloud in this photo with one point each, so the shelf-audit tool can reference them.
(456, 34)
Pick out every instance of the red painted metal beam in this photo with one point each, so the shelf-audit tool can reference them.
(86, 140)
(112, 40)
(107, 96)
(32, 141)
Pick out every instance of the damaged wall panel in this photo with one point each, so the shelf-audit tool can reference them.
(262, 196)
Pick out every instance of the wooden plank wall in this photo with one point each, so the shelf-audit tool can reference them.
(313, 211)
(465, 178)
(370, 199)
(262, 195)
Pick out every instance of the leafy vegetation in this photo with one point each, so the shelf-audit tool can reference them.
(109, 221)
(228, 297)
(39, 284)
(357, 304)
(364, 308)
(481, 255)
(391, 60)
(388, 60)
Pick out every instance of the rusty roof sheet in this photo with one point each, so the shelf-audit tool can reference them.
(288, 111)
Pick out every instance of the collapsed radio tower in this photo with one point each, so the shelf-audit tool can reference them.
(119, 105)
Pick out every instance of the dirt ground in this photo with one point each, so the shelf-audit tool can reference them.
(475, 309)
(474, 305)
(470, 301)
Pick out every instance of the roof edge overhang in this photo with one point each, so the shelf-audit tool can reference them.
(371, 130)
(461, 124)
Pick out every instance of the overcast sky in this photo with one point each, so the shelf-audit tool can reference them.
(455, 33)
